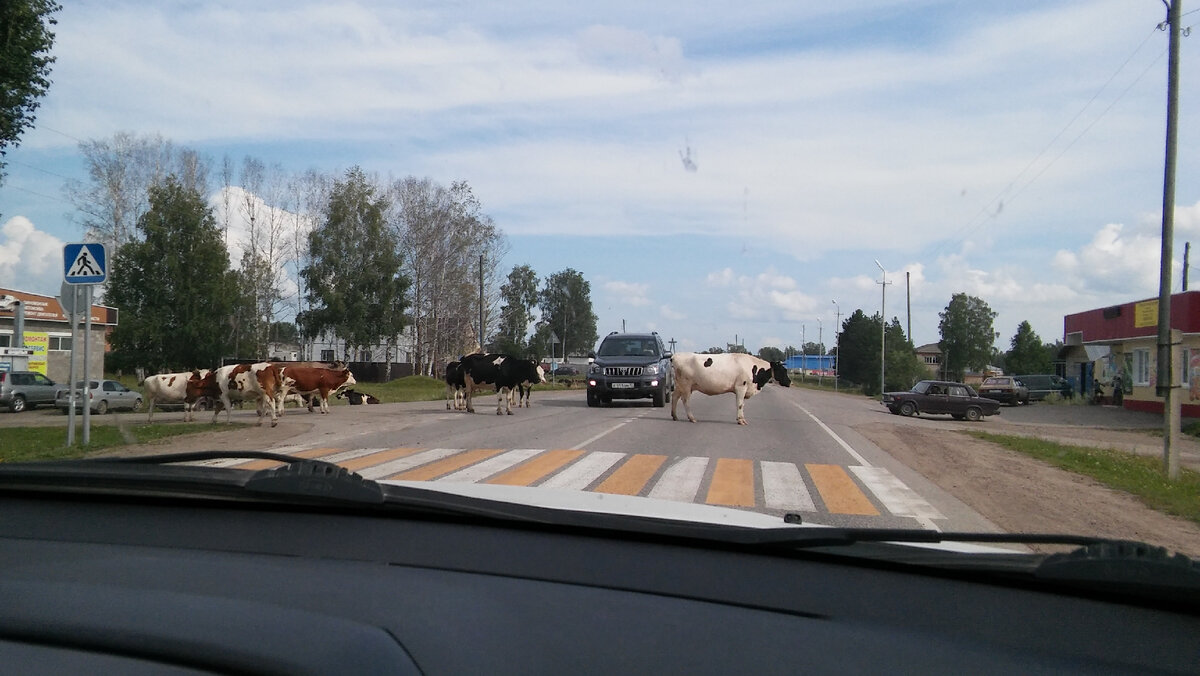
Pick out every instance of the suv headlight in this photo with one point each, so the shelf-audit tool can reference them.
(650, 370)
(595, 368)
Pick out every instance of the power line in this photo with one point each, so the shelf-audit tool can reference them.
(992, 208)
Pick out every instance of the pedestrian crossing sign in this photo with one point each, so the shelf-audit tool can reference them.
(85, 263)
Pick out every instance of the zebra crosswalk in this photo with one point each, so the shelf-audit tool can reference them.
(857, 490)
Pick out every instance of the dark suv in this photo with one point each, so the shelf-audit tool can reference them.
(630, 366)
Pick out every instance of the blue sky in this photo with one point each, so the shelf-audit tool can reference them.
(1012, 151)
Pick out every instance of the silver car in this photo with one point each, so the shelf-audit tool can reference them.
(105, 395)
(20, 390)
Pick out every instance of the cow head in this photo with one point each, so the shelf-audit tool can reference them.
(776, 371)
(541, 373)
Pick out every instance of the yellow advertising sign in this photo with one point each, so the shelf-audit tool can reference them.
(1145, 314)
(40, 344)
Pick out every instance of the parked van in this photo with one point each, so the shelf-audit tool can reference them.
(1041, 386)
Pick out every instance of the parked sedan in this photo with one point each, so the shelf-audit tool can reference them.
(105, 396)
(939, 396)
(1005, 389)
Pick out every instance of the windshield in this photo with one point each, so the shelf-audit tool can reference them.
(306, 227)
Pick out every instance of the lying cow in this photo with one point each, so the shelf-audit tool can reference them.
(741, 374)
(502, 372)
(356, 398)
(318, 382)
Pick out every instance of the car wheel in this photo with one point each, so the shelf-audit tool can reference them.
(974, 414)
(102, 407)
(137, 404)
(908, 409)
(18, 404)
(591, 399)
(659, 399)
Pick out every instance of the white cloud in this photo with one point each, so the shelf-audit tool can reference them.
(629, 293)
(670, 314)
(1113, 262)
(30, 260)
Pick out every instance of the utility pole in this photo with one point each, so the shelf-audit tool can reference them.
(481, 348)
(1187, 251)
(882, 329)
(837, 340)
(1167, 374)
(908, 294)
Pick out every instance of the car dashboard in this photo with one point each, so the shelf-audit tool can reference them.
(105, 583)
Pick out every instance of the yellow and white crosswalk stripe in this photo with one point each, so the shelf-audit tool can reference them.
(729, 482)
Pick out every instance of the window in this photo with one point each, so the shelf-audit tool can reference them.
(60, 343)
(1141, 367)
(5, 340)
(327, 355)
(958, 391)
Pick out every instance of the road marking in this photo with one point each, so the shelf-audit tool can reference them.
(406, 462)
(541, 466)
(897, 497)
(838, 490)
(631, 477)
(681, 481)
(842, 442)
(783, 487)
(606, 432)
(581, 475)
(267, 464)
(457, 461)
(732, 483)
(377, 456)
(485, 469)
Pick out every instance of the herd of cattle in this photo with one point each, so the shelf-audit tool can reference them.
(270, 384)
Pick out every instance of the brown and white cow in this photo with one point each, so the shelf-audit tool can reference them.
(318, 382)
(741, 374)
(170, 388)
(259, 382)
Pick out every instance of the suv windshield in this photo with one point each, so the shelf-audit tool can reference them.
(622, 347)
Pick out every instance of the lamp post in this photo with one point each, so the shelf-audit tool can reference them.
(821, 356)
(882, 329)
(837, 340)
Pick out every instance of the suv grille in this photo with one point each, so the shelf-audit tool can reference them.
(622, 370)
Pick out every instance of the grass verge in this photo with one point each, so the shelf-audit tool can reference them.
(20, 444)
(1141, 476)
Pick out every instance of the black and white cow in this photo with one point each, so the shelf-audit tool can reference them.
(454, 385)
(520, 393)
(502, 372)
(741, 374)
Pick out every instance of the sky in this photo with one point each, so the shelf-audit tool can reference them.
(737, 172)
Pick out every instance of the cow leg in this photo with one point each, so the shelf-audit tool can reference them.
(451, 392)
(467, 392)
(740, 393)
(503, 400)
(685, 394)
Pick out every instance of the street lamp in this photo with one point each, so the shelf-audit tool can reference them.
(882, 329)
(837, 340)
(820, 356)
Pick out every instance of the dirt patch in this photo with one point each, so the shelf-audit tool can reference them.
(1023, 495)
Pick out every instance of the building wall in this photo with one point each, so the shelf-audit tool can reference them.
(48, 332)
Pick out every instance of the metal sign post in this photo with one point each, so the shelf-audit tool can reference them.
(84, 264)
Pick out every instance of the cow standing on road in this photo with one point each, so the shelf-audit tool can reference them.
(501, 371)
(317, 382)
(170, 388)
(260, 382)
(741, 374)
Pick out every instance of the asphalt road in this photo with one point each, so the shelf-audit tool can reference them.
(799, 454)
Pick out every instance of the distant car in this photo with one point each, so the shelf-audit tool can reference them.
(566, 371)
(939, 396)
(1004, 389)
(20, 390)
(1041, 386)
(105, 396)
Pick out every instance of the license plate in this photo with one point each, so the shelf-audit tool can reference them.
(622, 386)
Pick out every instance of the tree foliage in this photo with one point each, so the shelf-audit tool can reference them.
(565, 301)
(121, 171)
(1027, 354)
(26, 39)
(446, 235)
(858, 357)
(771, 354)
(173, 286)
(520, 296)
(355, 287)
(967, 335)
